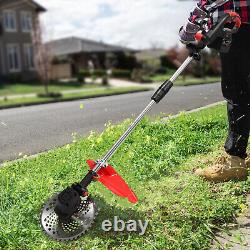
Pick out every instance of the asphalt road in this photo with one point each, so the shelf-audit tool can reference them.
(34, 129)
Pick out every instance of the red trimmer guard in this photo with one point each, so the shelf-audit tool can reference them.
(114, 182)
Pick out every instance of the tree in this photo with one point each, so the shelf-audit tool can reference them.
(43, 55)
(177, 56)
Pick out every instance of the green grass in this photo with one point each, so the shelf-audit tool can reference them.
(157, 161)
(65, 97)
(22, 88)
(189, 80)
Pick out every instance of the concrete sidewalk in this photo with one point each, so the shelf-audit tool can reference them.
(126, 83)
(238, 237)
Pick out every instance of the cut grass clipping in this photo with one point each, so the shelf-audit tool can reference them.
(157, 161)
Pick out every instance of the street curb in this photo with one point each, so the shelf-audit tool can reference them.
(72, 99)
(7, 163)
(163, 119)
(194, 110)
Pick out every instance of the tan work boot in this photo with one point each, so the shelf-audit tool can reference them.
(225, 169)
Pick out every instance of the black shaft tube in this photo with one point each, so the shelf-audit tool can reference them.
(88, 179)
(162, 91)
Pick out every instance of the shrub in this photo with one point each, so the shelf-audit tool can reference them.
(81, 78)
(167, 63)
(140, 75)
(82, 75)
(137, 75)
(128, 62)
(146, 79)
(85, 72)
(121, 73)
(99, 72)
(161, 71)
(105, 80)
(13, 78)
(50, 95)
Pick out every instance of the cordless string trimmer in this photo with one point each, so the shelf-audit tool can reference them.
(67, 215)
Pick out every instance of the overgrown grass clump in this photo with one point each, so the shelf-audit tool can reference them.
(157, 161)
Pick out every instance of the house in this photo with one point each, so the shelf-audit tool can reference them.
(73, 54)
(17, 20)
(150, 58)
(150, 54)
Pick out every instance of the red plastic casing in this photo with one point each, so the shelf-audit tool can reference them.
(114, 182)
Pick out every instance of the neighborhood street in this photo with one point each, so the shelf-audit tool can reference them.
(30, 130)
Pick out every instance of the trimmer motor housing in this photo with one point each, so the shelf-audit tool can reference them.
(68, 202)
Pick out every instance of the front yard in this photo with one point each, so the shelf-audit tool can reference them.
(21, 94)
(81, 94)
(25, 88)
(157, 161)
(188, 80)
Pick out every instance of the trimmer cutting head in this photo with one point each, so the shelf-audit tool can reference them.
(62, 229)
(69, 214)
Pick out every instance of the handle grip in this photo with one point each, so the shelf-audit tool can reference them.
(235, 18)
(220, 30)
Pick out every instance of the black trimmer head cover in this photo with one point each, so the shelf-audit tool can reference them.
(66, 227)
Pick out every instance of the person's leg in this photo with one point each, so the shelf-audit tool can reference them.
(238, 135)
(236, 90)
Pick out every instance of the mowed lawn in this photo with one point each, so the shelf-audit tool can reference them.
(157, 161)
(25, 88)
(82, 94)
(188, 80)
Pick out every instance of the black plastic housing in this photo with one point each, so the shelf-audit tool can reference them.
(162, 91)
(88, 179)
(67, 203)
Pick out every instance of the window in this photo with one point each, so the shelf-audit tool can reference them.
(29, 56)
(9, 19)
(26, 20)
(13, 53)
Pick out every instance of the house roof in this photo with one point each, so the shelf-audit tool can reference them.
(74, 45)
(37, 6)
